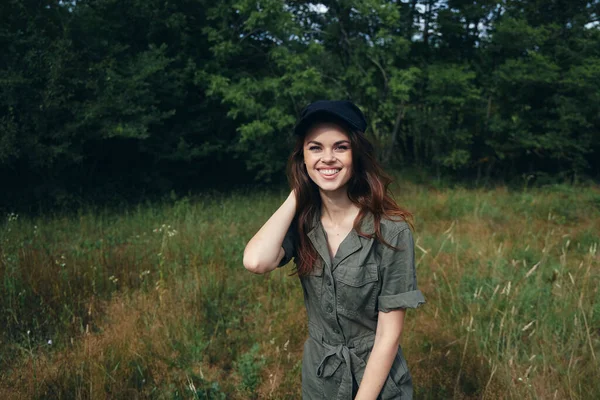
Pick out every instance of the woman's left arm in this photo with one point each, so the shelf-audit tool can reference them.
(397, 293)
(385, 348)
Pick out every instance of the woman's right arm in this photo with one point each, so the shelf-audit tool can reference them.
(264, 252)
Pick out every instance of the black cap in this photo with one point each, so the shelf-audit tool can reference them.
(343, 110)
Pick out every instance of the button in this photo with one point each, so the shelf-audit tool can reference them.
(329, 309)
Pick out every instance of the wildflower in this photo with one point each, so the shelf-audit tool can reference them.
(166, 229)
(49, 342)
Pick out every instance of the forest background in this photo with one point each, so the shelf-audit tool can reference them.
(111, 99)
(142, 143)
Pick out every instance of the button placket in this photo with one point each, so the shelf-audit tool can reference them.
(330, 300)
(329, 292)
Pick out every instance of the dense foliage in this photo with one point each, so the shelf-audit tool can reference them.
(105, 98)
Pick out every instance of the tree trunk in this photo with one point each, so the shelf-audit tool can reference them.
(399, 118)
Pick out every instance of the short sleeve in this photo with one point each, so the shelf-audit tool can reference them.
(398, 275)
(289, 246)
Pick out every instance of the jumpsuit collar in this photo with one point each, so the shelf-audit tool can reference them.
(352, 243)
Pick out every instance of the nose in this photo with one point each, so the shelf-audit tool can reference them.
(328, 156)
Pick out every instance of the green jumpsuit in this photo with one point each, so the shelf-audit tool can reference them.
(343, 297)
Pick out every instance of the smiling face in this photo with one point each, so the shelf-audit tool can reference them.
(328, 156)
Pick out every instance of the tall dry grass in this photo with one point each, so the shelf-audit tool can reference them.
(153, 302)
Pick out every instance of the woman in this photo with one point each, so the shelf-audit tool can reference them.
(354, 253)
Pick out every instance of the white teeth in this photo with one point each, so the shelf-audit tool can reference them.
(329, 171)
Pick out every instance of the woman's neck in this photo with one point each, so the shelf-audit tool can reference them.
(336, 207)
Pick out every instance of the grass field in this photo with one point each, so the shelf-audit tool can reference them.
(153, 302)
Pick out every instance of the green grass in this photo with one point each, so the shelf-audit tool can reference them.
(154, 302)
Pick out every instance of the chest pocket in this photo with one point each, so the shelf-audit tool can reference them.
(356, 288)
(312, 283)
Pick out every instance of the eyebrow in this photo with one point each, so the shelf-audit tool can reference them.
(335, 144)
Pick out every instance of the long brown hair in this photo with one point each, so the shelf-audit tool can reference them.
(368, 189)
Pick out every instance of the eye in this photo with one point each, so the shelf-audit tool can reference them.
(342, 147)
(314, 148)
